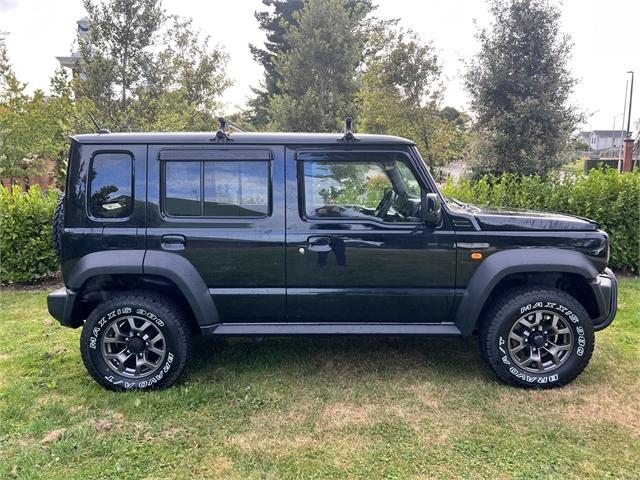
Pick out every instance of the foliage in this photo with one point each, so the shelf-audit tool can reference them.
(520, 86)
(32, 127)
(275, 25)
(117, 57)
(610, 198)
(145, 70)
(25, 243)
(318, 80)
(192, 76)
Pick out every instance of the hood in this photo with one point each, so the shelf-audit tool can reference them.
(496, 219)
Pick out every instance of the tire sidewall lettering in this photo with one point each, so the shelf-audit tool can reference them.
(574, 323)
(123, 382)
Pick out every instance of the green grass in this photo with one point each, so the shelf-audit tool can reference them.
(315, 408)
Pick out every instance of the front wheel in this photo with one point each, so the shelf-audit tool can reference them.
(136, 340)
(537, 337)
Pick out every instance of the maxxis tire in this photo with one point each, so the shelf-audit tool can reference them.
(166, 317)
(504, 313)
(57, 227)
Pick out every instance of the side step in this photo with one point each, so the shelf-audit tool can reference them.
(265, 329)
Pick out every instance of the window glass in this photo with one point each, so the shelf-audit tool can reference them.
(228, 189)
(111, 185)
(383, 189)
(236, 189)
(182, 188)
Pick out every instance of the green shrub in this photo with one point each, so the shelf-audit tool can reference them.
(26, 250)
(610, 198)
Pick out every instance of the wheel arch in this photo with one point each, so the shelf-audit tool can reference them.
(97, 274)
(566, 269)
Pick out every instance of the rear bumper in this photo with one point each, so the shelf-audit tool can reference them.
(605, 289)
(61, 305)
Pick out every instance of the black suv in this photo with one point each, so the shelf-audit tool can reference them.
(164, 236)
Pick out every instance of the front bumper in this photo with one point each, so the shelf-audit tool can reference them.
(61, 305)
(605, 290)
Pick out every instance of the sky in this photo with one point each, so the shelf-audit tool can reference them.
(605, 34)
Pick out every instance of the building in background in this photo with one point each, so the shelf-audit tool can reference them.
(604, 144)
(72, 61)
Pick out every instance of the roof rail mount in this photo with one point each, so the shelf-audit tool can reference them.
(348, 137)
(221, 135)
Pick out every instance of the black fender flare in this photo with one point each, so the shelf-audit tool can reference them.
(500, 264)
(171, 266)
(182, 272)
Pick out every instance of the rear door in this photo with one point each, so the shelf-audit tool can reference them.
(217, 207)
(357, 250)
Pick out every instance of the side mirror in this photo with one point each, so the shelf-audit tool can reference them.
(431, 208)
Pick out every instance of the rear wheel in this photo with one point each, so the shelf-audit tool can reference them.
(537, 337)
(137, 340)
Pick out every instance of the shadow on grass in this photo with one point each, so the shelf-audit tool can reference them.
(353, 356)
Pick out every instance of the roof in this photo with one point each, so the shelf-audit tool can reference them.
(238, 138)
(606, 133)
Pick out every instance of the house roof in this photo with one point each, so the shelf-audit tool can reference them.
(605, 133)
(238, 138)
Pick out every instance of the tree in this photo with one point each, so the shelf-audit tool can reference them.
(519, 85)
(118, 57)
(275, 24)
(400, 94)
(318, 73)
(22, 136)
(191, 78)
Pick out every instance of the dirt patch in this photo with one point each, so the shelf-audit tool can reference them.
(53, 436)
(608, 405)
(340, 415)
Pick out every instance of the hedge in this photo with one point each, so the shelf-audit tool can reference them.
(26, 249)
(606, 196)
(610, 198)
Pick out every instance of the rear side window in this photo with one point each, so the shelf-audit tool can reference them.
(111, 185)
(219, 189)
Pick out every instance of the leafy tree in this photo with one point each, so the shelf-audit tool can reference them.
(191, 78)
(400, 94)
(117, 57)
(318, 74)
(520, 85)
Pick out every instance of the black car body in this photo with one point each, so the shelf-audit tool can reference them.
(266, 234)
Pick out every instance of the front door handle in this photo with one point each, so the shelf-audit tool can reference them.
(319, 244)
(173, 242)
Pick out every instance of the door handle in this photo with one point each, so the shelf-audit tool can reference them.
(173, 242)
(319, 244)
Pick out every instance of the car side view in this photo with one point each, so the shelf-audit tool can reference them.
(163, 236)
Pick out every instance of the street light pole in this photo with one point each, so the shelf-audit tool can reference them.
(627, 162)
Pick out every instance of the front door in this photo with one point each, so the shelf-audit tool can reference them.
(357, 249)
(217, 207)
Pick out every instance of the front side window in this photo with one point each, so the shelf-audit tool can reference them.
(111, 185)
(360, 186)
(216, 188)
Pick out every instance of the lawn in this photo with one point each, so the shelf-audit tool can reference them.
(314, 408)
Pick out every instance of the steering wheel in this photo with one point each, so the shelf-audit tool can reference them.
(385, 204)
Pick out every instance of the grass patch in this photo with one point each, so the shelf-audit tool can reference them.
(314, 408)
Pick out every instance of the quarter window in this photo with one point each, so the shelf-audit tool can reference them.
(111, 185)
(217, 188)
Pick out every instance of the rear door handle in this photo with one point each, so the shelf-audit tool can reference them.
(173, 242)
(319, 244)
